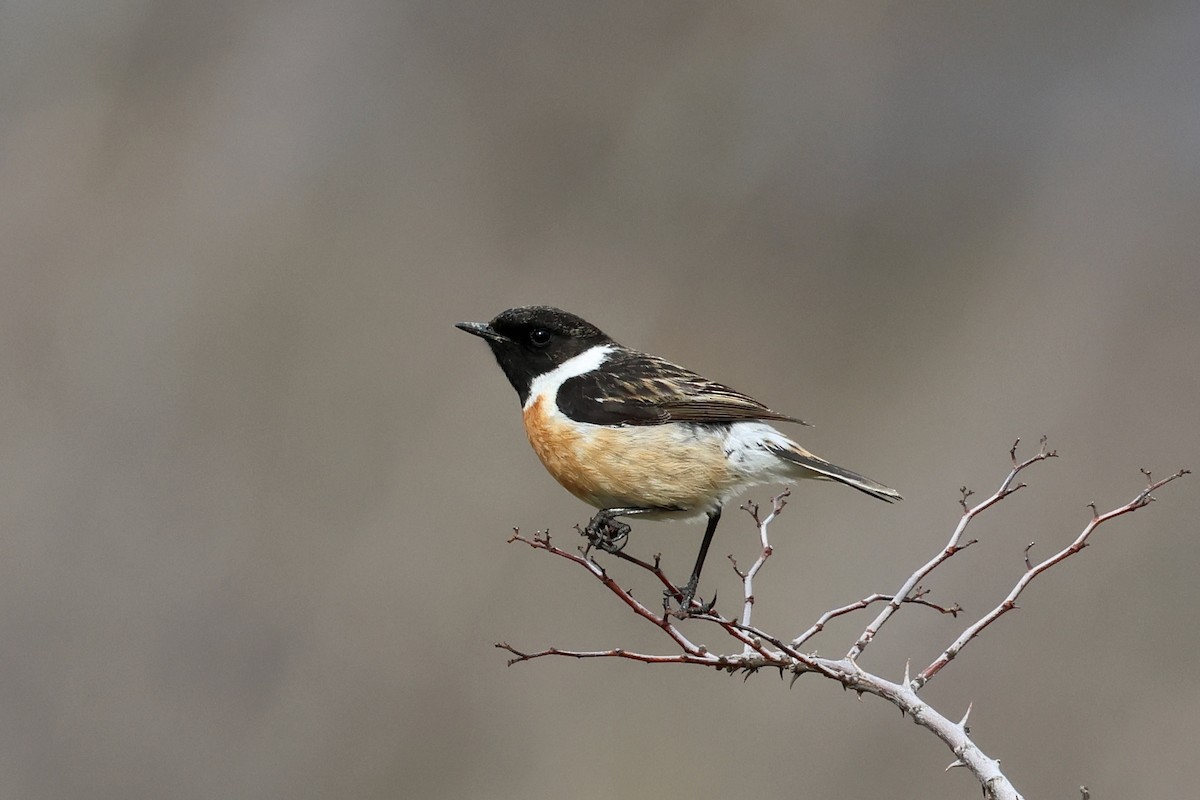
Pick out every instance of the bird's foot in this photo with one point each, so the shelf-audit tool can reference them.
(606, 532)
(689, 604)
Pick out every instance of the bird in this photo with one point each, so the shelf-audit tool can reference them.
(635, 435)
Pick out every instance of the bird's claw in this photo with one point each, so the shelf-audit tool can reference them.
(607, 533)
(702, 608)
(689, 604)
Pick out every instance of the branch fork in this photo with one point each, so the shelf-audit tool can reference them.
(760, 649)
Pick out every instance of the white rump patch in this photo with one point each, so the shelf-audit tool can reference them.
(746, 447)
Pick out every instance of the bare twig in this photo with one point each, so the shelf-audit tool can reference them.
(954, 545)
(1142, 500)
(777, 504)
(917, 598)
(541, 541)
(761, 649)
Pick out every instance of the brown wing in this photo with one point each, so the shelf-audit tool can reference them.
(634, 388)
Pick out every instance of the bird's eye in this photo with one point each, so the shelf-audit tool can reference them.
(539, 337)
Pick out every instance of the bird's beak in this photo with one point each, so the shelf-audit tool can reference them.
(482, 330)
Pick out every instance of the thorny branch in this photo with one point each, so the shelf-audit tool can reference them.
(955, 544)
(760, 649)
(1142, 500)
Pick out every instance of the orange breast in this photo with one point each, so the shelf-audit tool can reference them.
(653, 466)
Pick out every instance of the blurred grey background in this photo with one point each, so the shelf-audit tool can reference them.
(255, 488)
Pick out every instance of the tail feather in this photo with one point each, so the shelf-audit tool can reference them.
(825, 470)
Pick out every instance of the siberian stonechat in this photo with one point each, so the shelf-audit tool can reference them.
(635, 435)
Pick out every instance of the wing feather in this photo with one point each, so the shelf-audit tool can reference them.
(634, 388)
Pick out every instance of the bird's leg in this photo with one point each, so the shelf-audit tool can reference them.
(606, 532)
(689, 590)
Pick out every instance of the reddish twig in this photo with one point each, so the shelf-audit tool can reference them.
(761, 649)
(541, 541)
(616, 652)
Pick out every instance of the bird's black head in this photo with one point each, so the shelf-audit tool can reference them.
(532, 340)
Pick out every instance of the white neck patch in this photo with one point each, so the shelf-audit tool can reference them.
(547, 385)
